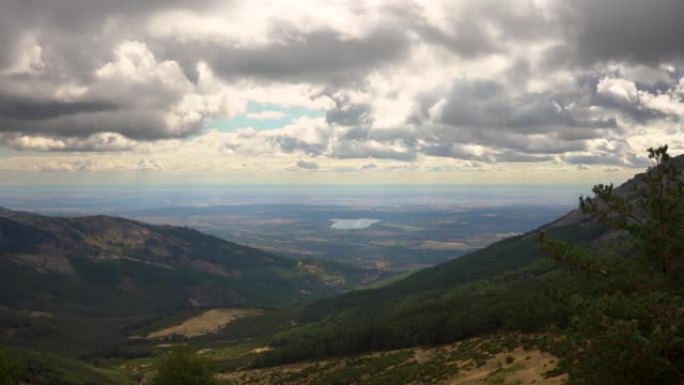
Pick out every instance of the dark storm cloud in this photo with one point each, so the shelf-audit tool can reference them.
(632, 30)
(75, 26)
(134, 124)
(490, 105)
(478, 28)
(73, 15)
(26, 109)
(322, 56)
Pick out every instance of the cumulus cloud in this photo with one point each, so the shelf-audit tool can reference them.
(95, 142)
(411, 82)
(133, 94)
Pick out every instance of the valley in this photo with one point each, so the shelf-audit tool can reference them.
(365, 192)
(396, 239)
(124, 296)
(395, 229)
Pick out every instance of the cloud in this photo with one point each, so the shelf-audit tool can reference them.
(622, 95)
(134, 95)
(621, 91)
(624, 30)
(606, 159)
(489, 113)
(266, 115)
(488, 104)
(415, 81)
(348, 113)
(22, 108)
(306, 165)
(322, 56)
(95, 142)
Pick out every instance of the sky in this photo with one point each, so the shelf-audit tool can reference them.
(354, 91)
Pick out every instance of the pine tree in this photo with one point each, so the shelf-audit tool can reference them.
(632, 331)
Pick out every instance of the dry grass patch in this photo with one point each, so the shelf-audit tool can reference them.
(208, 322)
(496, 361)
(519, 367)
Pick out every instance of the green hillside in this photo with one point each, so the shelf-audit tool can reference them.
(30, 367)
(84, 283)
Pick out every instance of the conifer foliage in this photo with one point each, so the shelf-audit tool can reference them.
(632, 330)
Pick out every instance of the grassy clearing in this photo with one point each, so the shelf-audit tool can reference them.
(208, 322)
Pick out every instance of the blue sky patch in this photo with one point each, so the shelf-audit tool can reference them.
(251, 119)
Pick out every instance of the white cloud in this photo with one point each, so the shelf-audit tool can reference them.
(428, 85)
(96, 142)
(620, 90)
(266, 115)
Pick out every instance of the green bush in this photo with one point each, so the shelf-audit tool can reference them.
(182, 366)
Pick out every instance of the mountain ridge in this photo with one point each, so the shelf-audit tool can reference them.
(112, 273)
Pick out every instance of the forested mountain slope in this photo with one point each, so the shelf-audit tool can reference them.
(64, 278)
